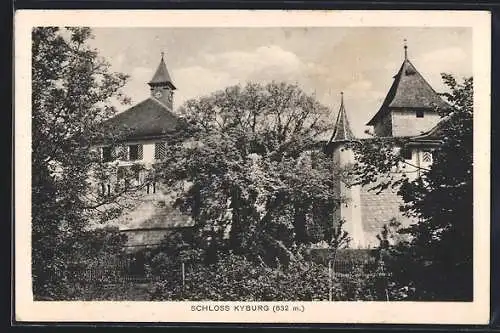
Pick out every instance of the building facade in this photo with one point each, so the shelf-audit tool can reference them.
(138, 141)
(410, 110)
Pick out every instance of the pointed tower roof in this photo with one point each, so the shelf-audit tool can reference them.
(342, 130)
(409, 90)
(161, 76)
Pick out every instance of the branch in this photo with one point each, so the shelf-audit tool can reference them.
(113, 198)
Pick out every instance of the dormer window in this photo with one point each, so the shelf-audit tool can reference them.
(420, 113)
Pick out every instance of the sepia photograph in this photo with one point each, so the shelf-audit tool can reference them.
(259, 169)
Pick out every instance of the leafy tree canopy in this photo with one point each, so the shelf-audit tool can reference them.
(251, 168)
(71, 91)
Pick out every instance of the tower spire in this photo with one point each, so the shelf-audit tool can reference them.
(342, 130)
(161, 76)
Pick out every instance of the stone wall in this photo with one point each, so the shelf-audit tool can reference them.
(378, 209)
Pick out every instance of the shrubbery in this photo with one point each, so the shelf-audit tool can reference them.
(236, 278)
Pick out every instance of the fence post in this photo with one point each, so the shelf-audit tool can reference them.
(330, 282)
(332, 257)
(183, 274)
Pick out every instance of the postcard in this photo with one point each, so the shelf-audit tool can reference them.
(252, 166)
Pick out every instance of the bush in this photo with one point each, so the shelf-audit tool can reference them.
(93, 250)
(235, 278)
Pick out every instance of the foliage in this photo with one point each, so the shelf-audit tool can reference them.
(247, 167)
(236, 278)
(99, 291)
(71, 92)
(340, 238)
(98, 249)
(435, 261)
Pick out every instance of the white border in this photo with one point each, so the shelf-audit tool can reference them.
(476, 312)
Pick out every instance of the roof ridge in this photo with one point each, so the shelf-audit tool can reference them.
(118, 114)
(159, 102)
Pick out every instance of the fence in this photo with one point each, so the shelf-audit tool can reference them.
(129, 270)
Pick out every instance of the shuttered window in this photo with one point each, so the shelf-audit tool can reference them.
(122, 152)
(135, 152)
(160, 150)
(406, 153)
(427, 157)
(107, 154)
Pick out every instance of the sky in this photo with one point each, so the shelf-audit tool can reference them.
(361, 62)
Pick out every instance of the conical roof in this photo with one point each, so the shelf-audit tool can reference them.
(342, 130)
(409, 90)
(161, 76)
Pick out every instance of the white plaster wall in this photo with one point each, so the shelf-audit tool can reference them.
(350, 211)
(406, 123)
(148, 152)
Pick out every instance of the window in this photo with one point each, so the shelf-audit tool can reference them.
(135, 152)
(107, 154)
(121, 152)
(420, 114)
(160, 150)
(427, 157)
(406, 153)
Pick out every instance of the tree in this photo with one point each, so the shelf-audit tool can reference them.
(436, 261)
(71, 92)
(249, 168)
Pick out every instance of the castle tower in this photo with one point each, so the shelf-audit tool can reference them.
(410, 107)
(343, 157)
(162, 87)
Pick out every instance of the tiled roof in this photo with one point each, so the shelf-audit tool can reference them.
(161, 75)
(149, 118)
(342, 130)
(409, 90)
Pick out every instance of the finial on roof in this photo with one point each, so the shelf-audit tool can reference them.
(406, 49)
(161, 76)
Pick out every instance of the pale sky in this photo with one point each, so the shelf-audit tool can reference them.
(361, 62)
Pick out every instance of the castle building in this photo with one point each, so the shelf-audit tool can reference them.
(139, 138)
(409, 110)
(142, 128)
(410, 107)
